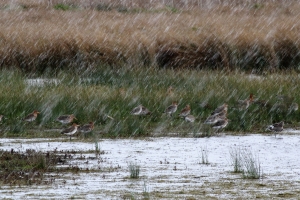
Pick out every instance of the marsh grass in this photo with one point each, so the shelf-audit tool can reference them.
(25, 167)
(134, 170)
(252, 166)
(107, 92)
(244, 161)
(236, 159)
(146, 191)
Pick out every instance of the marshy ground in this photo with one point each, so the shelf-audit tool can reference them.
(169, 168)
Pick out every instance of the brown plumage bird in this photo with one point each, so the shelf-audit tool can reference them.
(71, 130)
(221, 109)
(87, 127)
(31, 117)
(66, 119)
(212, 119)
(171, 109)
(185, 111)
(244, 104)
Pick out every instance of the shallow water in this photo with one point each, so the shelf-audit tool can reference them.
(170, 168)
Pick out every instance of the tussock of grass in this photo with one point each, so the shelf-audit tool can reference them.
(245, 162)
(236, 159)
(134, 170)
(252, 167)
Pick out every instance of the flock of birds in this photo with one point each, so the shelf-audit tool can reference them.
(217, 119)
(65, 119)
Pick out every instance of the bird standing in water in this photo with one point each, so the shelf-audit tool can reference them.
(277, 127)
(71, 130)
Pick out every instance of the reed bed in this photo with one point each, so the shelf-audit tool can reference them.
(43, 36)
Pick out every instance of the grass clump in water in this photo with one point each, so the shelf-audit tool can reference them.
(236, 159)
(245, 162)
(134, 170)
(204, 156)
(252, 167)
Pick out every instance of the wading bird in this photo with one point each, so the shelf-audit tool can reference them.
(277, 127)
(66, 119)
(171, 109)
(71, 130)
(244, 104)
(87, 127)
(221, 109)
(140, 110)
(31, 117)
(189, 118)
(185, 111)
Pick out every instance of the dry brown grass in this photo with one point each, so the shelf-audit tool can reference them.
(223, 34)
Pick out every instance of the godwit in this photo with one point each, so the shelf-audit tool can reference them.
(223, 108)
(185, 111)
(31, 117)
(137, 110)
(145, 111)
(220, 124)
(244, 104)
(87, 127)
(140, 110)
(66, 119)
(171, 109)
(71, 130)
(212, 119)
(189, 118)
(277, 127)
